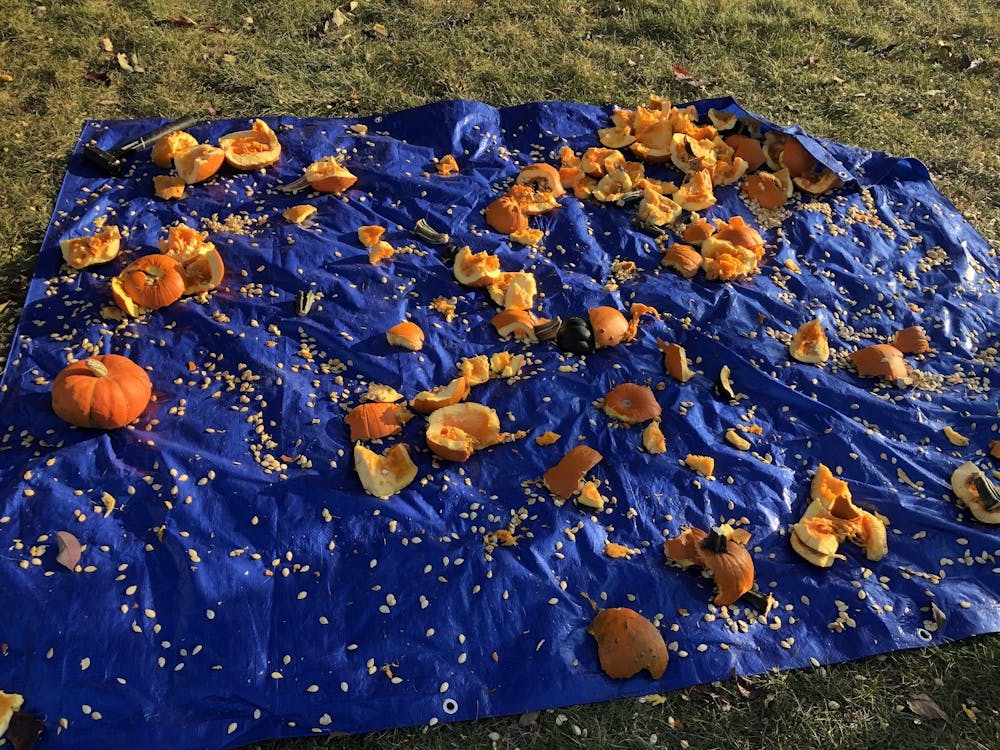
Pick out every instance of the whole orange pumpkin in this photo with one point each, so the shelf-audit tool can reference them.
(103, 392)
(153, 281)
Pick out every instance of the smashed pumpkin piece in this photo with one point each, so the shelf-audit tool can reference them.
(695, 193)
(454, 432)
(70, 551)
(977, 492)
(170, 145)
(652, 438)
(407, 335)
(911, 340)
(370, 234)
(631, 403)
(564, 479)
(610, 327)
(300, 214)
(476, 269)
(9, 704)
(733, 251)
(376, 419)
(722, 552)
(628, 643)
(809, 344)
(382, 250)
(542, 178)
(328, 175)
(682, 258)
(506, 215)
(447, 165)
(675, 361)
(251, 149)
(617, 551)
(547, 438)
(386, 474)
(198, 163)
(770, 189)
(590, 496)
(81, 252)
(703, 465)
(832, 517)
(152, 281)
(427, 401)
(476, 370)
(528, 237)
(169, 188)
(514, 290)
(882, 361)
(515, 322)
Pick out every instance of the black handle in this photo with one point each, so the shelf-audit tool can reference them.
(145, 140)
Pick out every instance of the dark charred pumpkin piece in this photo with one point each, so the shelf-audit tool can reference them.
(988, 492)
(724, 384)
(715, 541)
(651, 229)
(758, 600)
(548, 330)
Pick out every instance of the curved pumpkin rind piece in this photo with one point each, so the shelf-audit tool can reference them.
(610, 326)
(384, 475)
(328, 175)
(631, 403)
(81, 252)
(809, 343)
(628, 643)
(376, 419)
(251, 149)
(454, 432)
(565, 477)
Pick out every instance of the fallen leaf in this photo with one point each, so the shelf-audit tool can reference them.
(181, 22)
(229, 58)
(969, 713)
(654, 699)
(107, 45)
(684, 76)
(135, 64)
(123, 62)
(339, 18)
(23, 730)
(6, 77)
(379, 29)
(812, 59)
(70, 550)
(100, 78)
(938, 614)
(975, 62)
(745, 686)
(923, 705)
(529, 720)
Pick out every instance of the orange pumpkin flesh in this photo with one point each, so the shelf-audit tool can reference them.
(810, 344)
(407, 335)
(153, 281)
(329, 176)
(565, 477)
(543, 178)
(383, 475)
(80, 252)
(198, 163)
(476, 269)
(168, 188)
(184, 243)
(170, 145)
(454, 432)
(203, 273)
(251, 149)
(631, 403)
(628, 643)
(506, 215)
(103, 392)
(377, 419)
(427, 401)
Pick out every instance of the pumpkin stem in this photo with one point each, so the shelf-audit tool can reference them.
(715, 541)
(97, 368)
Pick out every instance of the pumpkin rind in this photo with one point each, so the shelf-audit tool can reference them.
(153, 281)
(628, 643)
(103, 392)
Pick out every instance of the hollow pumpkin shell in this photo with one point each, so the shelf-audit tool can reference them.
(628, 643)
(251, 149)
(882, 361)
(376, 419)
(454, 432)
(631, 403)
(506, 216)
(103, 392)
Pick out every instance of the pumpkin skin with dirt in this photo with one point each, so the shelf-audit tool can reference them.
(103, 392)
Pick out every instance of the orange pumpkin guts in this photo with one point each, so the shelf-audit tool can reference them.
(103, 392)
(628, 643)
(722, 552)
(810, 344)
(454, 432)
(543, 178)
(631, 403)
(81, 252)
(251, 149)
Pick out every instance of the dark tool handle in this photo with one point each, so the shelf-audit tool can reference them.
(145, 140)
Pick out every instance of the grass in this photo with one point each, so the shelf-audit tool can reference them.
(911, 78)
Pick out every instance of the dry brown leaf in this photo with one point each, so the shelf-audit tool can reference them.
(923, 705)
(379, 29)
(107, 45)
(23, 730)
(529, 720)
(181, 22)
(123, 62)
(102, 79)
(70, 550)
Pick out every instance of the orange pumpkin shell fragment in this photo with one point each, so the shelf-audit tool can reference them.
(809, 344)
(544, 178)
(455, 432)
(251, 149)
(198, 163)
(168, 188)
(300, 214)
(427, 401)
(881, 361)
(407, 335)
(506, 215)
(631, 403)
(911, 340)
(609, 325)
(170, 145)
(376, 419)
(675, 361)
(628, 643)
(81, 252)
(203, 273)
(682, 258)
(386, 474)
(328, 175)
(565, 477)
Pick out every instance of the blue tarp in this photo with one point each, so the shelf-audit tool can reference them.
(226, 599)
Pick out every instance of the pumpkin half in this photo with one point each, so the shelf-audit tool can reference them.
(455, 431)
(628, 643)
(103, 392)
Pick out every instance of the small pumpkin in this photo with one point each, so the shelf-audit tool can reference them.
(565, 477)
(385, 474)
(104, 392)
(251, 149)
(631, 403)
(153, 281)
(628, 643)
(454, 432)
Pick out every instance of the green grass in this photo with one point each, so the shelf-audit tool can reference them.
(911, 78)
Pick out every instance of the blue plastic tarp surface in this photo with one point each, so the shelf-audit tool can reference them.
(245, 587)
